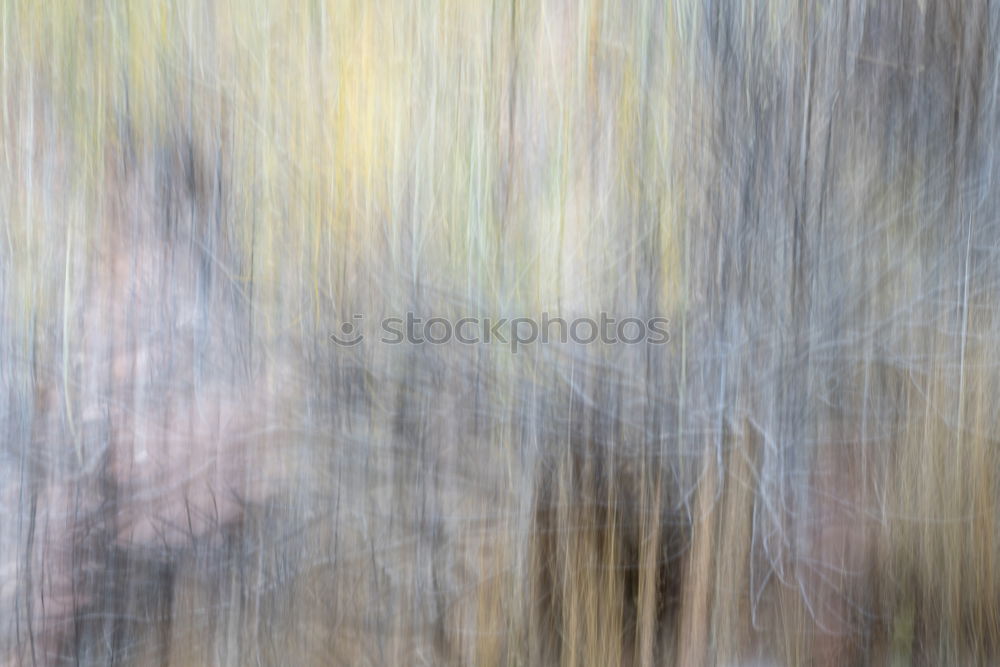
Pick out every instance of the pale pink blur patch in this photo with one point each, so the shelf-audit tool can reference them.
(186, 450)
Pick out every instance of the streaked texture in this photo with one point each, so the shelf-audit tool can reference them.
(194, 195)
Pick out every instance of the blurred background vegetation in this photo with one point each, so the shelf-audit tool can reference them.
(193, 195)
